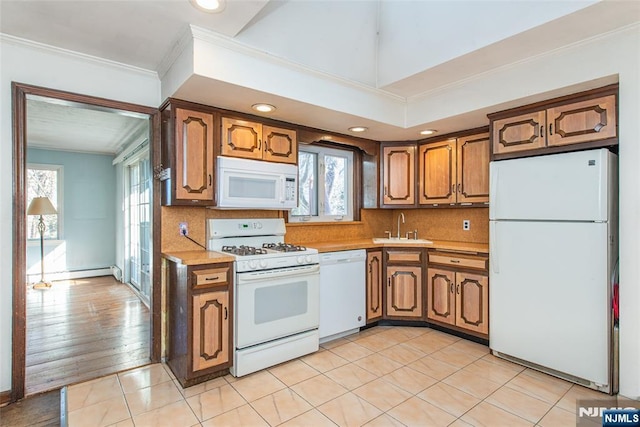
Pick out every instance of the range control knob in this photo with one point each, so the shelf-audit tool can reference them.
(308, 259)
(263, 263)
(300, 259)
(253, 264)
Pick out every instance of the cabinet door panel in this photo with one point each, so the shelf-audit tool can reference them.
(472, 302)
(582, 121)
(210, 329)
(280, 145)
(194, 155)
(404, 291)
(473, 169)
(374, 286)
(398, 175)
(241, 138)
(441, 304)
(525, 132)
(438, 172)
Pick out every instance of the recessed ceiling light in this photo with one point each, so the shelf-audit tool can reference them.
(263, 108)
(358, 129)
(211, 6)
(428, 132)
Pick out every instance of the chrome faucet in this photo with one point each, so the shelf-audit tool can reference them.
(400, 215)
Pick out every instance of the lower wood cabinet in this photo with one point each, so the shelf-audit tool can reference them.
(404, 284)
(210, 329)
(200, 301)
(374, 285)
(458, 291)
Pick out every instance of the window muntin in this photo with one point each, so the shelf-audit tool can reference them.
(325, 185)
(45, 181)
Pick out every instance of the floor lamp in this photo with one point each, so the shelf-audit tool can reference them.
(41, 206)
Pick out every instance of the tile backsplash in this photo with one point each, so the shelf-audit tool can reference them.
(436, 224)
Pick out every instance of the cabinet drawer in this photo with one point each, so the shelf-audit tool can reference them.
(404, 256)
(210, 277)
(478, 262)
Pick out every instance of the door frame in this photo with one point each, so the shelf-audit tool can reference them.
(19, 93)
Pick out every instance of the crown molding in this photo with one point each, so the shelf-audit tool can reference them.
(30, 44)
(184, 41)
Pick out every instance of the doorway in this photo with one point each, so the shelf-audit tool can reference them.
(148, 262)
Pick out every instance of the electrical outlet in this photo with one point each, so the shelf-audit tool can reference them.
(184, 229)
(466, 225)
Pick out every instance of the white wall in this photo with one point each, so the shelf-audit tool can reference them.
(41, 66)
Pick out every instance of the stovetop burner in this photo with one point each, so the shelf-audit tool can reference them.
(284, 247)
(243, 250)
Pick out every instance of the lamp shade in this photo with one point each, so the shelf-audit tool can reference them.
(41, 206)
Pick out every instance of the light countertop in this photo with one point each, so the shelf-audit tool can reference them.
(198, 257)
(344, 245)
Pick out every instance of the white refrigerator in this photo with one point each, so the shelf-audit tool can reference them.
(553, 244)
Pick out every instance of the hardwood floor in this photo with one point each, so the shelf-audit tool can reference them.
(83, 329)
(42, 410)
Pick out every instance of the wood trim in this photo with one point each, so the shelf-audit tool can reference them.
(556, 149)
(19, 335)
(156, 232)
(454, 135)
(5, 397)
(20, 92)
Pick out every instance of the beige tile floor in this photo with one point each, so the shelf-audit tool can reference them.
(384, 376)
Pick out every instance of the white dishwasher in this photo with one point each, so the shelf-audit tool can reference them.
(342, 293)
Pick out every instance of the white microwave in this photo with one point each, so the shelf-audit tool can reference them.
(253, 184)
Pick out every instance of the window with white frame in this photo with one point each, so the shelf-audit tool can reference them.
(45, 181)
(325, 185)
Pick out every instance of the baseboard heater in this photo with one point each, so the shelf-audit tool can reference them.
(78, 274)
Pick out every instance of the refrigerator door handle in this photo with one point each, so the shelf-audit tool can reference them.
(493, 198)
(493, 248)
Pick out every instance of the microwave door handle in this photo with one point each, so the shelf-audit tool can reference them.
(282, 189)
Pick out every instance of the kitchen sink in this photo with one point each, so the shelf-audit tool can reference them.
(401, 240)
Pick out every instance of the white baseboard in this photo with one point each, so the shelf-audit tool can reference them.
(68, 275)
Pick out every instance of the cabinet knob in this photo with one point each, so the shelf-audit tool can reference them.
(451, 287)
(550, 128)
(458, 289)
(389, 281)
(226, 313)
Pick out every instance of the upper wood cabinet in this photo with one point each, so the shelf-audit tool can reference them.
(583, 120)
(520, 133)
(251, 140)
(188, 157)
(398, 175)
(437, 179)
(454, 170)
(473, 168)
(374, 285)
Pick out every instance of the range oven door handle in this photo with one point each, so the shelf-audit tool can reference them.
(255, 276)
